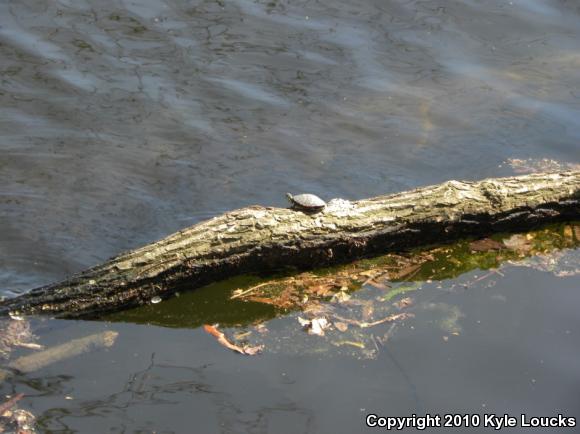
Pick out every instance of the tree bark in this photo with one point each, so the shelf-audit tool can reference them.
(259, 239)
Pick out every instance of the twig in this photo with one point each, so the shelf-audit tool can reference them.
(10, 403)
(364, 325)
(221, 338)
(247, 291)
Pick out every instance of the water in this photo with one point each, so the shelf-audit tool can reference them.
(122, 122)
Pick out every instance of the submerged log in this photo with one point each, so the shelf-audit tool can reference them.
(259, 239)
(34, 362)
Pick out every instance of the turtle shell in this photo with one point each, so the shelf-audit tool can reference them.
(307, 200)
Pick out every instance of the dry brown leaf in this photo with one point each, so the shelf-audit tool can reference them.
(340, 297)
(315, 309)
(221, 338)
(321, 290)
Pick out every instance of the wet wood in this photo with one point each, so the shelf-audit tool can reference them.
(10, 403)
(258, 239)
(75, 347)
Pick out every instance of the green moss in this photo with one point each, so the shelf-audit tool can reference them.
(212, 303)
(401, 290)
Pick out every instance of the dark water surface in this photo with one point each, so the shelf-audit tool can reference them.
(123, 121)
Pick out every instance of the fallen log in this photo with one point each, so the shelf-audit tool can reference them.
(259, 239)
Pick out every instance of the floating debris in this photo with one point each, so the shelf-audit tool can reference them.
(390, 318)
(240, 292)
(315, 326)
(565, 263)
(323, 290)
(35, 361)
(221, 338)
(338, 305)
(403, 303)
(156, 300)
(355, 344)
(377, 284)
(16, 420)
(388, 335)
(406, 272)
(16, 333)
(340, 297)
(15, 316)
(519, 243)
(298, 291)
(10, 403)
(261, 328)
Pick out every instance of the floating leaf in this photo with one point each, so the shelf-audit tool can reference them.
(221, 338)
(318, 326)
(321, 290)
(340, 297)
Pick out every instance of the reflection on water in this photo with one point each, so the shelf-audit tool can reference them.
(360, 306)
(484, 342)
(122, 122)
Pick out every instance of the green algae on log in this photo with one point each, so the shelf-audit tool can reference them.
(244, 302)
(259, 239)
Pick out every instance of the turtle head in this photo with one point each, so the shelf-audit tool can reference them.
(289, 197)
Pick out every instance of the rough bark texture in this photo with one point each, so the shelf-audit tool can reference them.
(258, 239)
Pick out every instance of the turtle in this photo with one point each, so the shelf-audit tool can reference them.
(306, 202)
